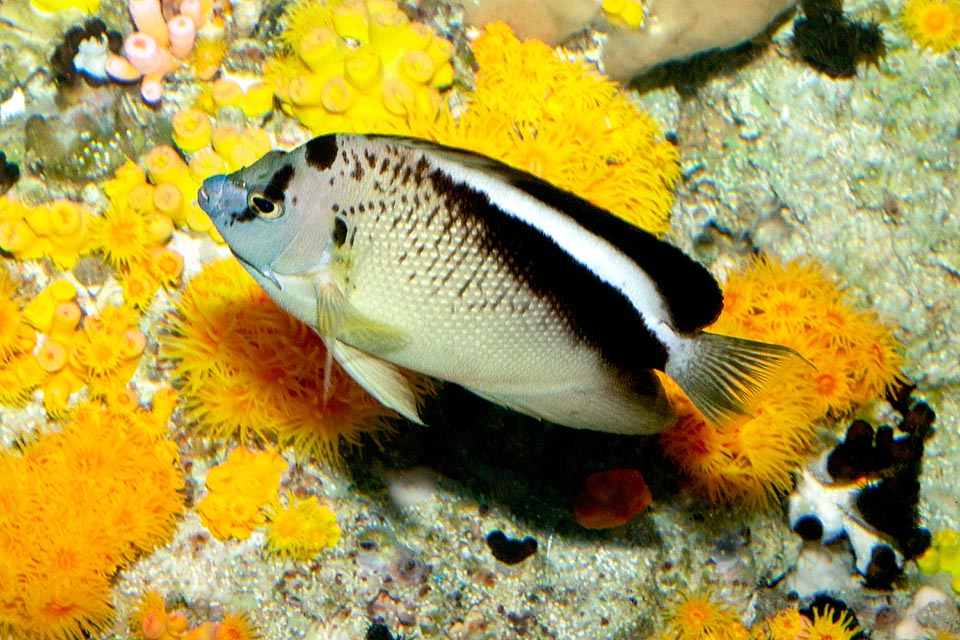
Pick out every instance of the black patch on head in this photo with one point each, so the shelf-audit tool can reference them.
(597, 313)
(277, 187)
(339, 231)
(246, 215)
(690, 293)
(322, 151)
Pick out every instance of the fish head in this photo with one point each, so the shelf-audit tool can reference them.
(271, 215)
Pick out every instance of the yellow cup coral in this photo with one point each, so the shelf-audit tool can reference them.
(350, 57)
(192, 129)
(303, 530)
(238, 492)
(563, 122)
(246, 367)
(59, 230)
(933, 24)
(855, 359)
(92, 497)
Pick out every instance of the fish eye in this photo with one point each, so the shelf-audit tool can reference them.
(265, 207)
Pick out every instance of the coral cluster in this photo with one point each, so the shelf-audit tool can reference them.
(563, 122)
(855, 360)
(696, 616)
(60, 230)
(156, 47)
(83, 52)
(855, 357)
(933, 24)
(76, 505)
(248, 368)
(154, 622)
(611, 498)
(177, 183)
(213, 148)
(750, 462)
(701, 616)
(359, 65)
(242, 497)
(302, 530)
(239, 491)
(20, 373)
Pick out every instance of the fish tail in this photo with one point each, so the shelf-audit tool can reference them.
(722, 375)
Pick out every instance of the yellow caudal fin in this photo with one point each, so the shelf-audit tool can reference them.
(722, 375)
(383, 380)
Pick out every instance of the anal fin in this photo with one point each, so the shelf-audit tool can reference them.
(383, 380)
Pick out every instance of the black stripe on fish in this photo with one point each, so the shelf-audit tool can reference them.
(322, 152)
(276, 189)
(689, 291)
(595, 311)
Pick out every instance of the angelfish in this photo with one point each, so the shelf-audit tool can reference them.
(405, 254)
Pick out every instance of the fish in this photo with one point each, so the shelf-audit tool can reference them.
(405, 255)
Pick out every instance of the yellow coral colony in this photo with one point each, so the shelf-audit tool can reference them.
(59, 230)
(566, 123)
(20, 372)
(239, 491)
(74, 506)
(247, 368)
(358, 66)
(302, 530)
(855, 359)
(933, 24)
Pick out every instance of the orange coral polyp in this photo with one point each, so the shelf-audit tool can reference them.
(611, 498)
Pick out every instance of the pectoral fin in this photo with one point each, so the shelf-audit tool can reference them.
(383, 380)
(338, 319)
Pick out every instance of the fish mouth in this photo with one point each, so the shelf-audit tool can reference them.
(203, 199)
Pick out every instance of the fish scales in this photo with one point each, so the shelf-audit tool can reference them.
(404, 253)
(427, 260)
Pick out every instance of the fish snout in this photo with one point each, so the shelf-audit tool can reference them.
(211, 191)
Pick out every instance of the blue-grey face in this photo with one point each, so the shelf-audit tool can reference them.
(251, 209)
